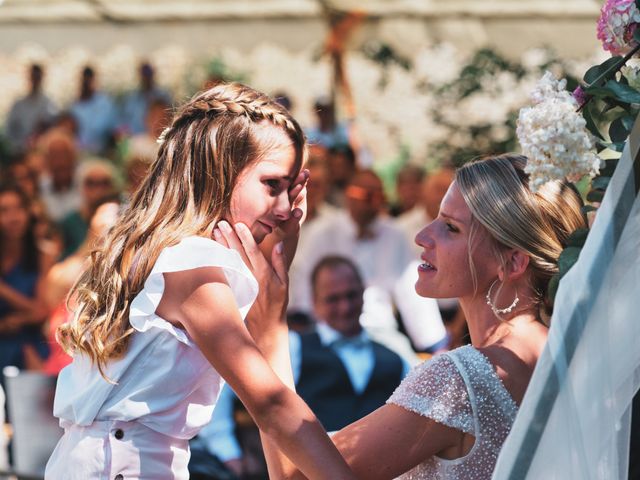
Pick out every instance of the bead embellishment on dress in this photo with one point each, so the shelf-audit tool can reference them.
(500, 311)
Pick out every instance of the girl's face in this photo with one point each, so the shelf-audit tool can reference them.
(260, 198)
(445, 271)
(14, 217)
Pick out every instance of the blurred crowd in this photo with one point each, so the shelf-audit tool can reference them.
(70, 169)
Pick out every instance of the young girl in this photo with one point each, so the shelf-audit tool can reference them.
(494, 245)
(160, 310)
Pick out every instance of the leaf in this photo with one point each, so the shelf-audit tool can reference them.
(623, 92)
(608, 168)
(617, 131)
(552, 289)
(595, 196)
(636, 33)
(615, 146)
(567, 259)
(599, 92)
(628, 120)
(594, 72)
(600, 183)
(578, 238)
(591, 125)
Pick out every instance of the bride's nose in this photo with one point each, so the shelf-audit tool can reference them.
(424, 238)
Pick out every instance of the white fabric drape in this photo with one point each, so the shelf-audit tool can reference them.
(575, 418)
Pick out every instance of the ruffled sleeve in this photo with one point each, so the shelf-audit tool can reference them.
(437, 390)
(191, 253)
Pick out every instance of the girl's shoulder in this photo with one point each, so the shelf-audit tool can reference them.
(189, 254)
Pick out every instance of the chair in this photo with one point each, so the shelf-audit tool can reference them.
(35, 430)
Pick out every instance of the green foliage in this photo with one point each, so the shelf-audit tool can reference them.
(484, 76)
(385, 56)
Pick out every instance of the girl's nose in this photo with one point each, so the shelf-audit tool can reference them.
(282, 207)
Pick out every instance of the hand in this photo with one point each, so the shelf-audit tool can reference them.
(289, 230)
(270, 306)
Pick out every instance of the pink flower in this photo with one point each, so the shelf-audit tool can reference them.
(580, 96)
(616, 25)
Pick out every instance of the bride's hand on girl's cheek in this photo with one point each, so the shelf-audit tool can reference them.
(271, 275)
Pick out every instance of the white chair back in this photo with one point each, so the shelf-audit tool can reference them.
(35, 430)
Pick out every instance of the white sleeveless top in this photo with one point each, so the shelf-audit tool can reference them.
(163, 382)
(460, 389)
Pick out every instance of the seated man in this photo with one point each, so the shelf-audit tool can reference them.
(339, 371)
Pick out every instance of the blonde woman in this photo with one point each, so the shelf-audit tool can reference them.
(494, 245)
(161, 310)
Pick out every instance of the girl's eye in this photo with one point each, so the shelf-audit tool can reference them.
(452, 228)
(273, 184)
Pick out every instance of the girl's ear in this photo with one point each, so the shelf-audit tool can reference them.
(516, 263)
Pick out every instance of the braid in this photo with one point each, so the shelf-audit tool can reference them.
(236, 100)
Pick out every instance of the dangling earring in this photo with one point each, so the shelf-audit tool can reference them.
(500, 311)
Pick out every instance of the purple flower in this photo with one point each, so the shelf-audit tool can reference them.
(580, 96)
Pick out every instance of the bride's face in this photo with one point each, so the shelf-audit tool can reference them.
(445, 270)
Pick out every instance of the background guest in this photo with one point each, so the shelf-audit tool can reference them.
(96, 178)
(96, 115)
(30, 113)
(23, 267)
(339, 371)
(58, 184)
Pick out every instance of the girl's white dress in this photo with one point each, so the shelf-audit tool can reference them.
(460, 389)
(165, 390)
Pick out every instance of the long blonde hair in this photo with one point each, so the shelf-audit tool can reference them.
(496, 190)
(211, 140)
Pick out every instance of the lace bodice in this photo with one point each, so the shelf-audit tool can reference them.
(460, 389)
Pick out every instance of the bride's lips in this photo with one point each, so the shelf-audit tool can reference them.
(426, 266)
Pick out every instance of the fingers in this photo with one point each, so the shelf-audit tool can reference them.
(217, 236)
(278, 262)
(231, 239)
(298, 185)
(249, 246)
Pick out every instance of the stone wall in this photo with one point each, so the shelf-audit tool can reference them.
(512, 26)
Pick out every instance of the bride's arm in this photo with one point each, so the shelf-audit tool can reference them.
(392, 440)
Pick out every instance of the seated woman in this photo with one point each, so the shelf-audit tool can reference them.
(494, 245)
(22, 269)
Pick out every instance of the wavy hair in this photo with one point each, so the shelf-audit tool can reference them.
(210, 141)
(496, 190)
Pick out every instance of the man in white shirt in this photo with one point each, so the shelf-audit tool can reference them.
(382, 253)
(59, 186)
(339, 371)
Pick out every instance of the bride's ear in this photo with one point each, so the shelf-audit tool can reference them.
(515, 265)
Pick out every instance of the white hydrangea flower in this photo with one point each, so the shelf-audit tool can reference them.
(554, 137)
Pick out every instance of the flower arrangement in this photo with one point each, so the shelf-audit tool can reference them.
(553, 135)
(476, 111)
(580, 136)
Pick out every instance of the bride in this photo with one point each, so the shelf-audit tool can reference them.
(494, 246)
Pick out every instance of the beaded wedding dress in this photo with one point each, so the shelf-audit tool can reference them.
(460, 389)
